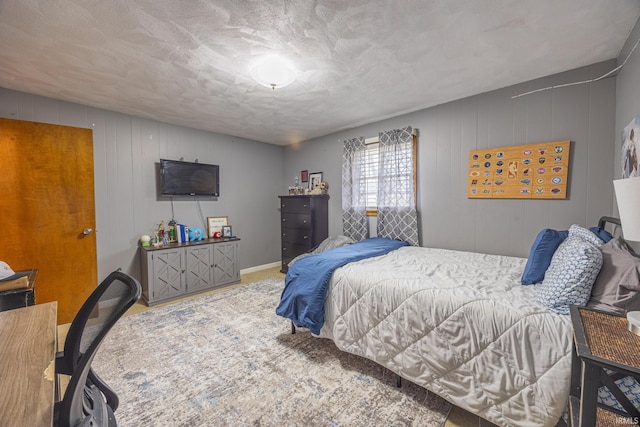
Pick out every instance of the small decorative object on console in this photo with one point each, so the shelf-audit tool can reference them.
(196, 233)
(215, 223)
(145, 239)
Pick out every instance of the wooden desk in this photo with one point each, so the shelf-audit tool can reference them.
(27, 365)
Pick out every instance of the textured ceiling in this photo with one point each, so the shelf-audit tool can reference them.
(187, 62)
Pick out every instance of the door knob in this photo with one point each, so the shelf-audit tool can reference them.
(87, 231)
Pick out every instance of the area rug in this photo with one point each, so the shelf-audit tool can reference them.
(227, 359)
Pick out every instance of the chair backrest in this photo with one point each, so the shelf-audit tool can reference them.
(118, 292)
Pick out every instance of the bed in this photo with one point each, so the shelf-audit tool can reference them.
(461, 325)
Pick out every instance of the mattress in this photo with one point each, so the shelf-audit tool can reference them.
(459, 324)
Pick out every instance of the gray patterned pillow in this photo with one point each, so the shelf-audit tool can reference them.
(572, 272)
(617, 287)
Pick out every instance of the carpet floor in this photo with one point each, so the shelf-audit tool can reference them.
(227, 359)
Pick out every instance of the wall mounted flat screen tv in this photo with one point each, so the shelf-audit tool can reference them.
(179, 178)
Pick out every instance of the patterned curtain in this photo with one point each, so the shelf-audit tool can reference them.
(354, 197)
(397, 216)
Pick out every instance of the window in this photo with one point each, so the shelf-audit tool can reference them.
(371, 178)
(372, 172)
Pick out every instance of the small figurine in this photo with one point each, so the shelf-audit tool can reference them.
(196, 233)
(320, 188)
(144, 240)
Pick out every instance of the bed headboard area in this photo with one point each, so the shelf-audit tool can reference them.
(616, 288)
(568, 264)
(611, 224)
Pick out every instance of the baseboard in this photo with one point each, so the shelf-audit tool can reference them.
(260, 267)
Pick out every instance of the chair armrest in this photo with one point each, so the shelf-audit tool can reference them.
(109, 394)
(63, 364)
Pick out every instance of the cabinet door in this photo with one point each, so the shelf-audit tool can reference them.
(168, 274)
(225, 265)
(199, 267)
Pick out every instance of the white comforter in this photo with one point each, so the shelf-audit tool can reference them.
(458, 324)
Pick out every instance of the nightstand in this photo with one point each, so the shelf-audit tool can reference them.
(604, 351)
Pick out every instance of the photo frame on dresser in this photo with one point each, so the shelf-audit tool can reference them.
(314, 178)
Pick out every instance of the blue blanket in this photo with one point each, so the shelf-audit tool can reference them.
(305, 288)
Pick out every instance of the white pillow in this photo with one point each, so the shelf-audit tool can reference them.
(572, 272)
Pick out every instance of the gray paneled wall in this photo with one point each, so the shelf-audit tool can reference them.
(583, 114)
(126, 149)
(627, 102)
(627, 93)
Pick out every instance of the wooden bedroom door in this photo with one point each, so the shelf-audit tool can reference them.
(48, 210)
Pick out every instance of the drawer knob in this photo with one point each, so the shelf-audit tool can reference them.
(284, 249)
(305, 237)
(305, 206)
(284, 220)
(304, 222)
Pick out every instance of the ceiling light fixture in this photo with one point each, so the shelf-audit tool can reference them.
(273, 71)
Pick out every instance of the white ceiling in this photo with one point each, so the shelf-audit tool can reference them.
(187, 62)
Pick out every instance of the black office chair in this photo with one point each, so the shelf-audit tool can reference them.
(88, 400)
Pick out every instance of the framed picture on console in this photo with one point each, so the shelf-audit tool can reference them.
(215, 223)
(226, 231)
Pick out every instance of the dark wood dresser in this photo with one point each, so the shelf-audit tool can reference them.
(304, 224)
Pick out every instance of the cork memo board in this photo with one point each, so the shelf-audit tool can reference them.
(531, 171)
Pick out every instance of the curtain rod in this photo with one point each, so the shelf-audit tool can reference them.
(375, 139)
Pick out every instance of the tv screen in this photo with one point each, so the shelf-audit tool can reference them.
(179, 178)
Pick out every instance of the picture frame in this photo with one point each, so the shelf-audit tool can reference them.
(314, 178)
(630, 146)
(304, 176)
(226, 231)
(215, 223)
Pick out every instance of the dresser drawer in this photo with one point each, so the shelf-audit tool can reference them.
(295, 205)
(296, 235)
(292, 250)
(295, 220)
